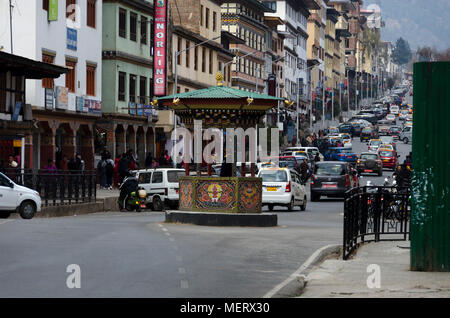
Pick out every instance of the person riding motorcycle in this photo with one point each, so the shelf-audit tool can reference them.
(129, 184)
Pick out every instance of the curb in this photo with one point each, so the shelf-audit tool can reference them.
(222, 219)
(295, 283)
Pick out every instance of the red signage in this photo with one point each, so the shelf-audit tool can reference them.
(160, 50)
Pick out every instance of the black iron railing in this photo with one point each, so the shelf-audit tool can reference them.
(375, 214)
(59, 187)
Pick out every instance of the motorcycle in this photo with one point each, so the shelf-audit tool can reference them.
(135, 200)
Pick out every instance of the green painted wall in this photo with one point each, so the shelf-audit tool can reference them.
(111, 68)
(430, 215)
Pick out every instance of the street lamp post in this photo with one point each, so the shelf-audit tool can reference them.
(178, 53)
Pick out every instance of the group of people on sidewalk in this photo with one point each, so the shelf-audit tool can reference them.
(112, 172)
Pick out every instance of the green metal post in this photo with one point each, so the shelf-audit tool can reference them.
(430, 215)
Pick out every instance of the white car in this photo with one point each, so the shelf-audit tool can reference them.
(391, 118)
(347, 139)
(161, 185)
(406, 134)
(394, 110)
(374, 144)
(16, 198)
(310, 150)
(282, 187)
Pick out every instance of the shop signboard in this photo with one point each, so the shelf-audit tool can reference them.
(148, 110)
(160, 54)
(80, 104)
(17, 109)
(49, 98)
(62, 97)
(53, 10)
(71, 39)
(95, 107)
(132, 108)
(140, 109)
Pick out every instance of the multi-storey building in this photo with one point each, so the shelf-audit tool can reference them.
(316, 43)
(65, 108)
(342, 35)
(128, 121)
(194, 22)
(245, 20)
(294, 15)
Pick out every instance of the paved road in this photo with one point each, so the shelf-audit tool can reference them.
(137, 255)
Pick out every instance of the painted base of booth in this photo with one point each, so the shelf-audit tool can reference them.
(222, 219)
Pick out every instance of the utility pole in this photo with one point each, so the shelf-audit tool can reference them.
(332, 96)
(10, 25)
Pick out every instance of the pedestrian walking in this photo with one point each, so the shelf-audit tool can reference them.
(101, 172)
(109, 172)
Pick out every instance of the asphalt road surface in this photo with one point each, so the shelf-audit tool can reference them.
(137, 255)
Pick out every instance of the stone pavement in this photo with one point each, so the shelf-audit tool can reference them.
(102, 194)
(339, 278)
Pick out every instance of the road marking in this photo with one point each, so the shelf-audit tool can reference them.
(184, 284)
(164, 229)
(5, 221)
(297, 273)
(160, 225)
(171, 239)
(167, 233)
(181, 270)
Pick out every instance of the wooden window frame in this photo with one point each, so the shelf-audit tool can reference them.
(122, 94)
(91, 71)
(144, 30)
(133, 35)
(132, 94)
(71, 76)
(48, 82)
(123, 31)
(142, 85)
(188, 55)
(91, 13)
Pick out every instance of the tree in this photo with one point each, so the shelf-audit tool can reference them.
(402, 52)
(425, 54)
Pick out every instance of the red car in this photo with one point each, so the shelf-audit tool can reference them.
(389, 158)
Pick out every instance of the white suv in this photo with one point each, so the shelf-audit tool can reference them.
(15, 198)
(161, 185)
(282, 186)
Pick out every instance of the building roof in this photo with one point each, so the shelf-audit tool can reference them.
(220, 92)
(21, 66)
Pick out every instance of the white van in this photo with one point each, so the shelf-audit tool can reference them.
(16, 198)
(406, 134)
(161, 185)
(394, 109)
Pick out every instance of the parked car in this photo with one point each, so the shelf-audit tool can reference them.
(332, 179)
(389, 158)
(282, 187)
(406, 134)
(16, 198)
(369, 162)
(161, 185)
(368, 133)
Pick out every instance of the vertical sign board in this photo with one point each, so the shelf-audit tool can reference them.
(71, 39)
(160, 50)
(430, 198)
(62, 97)
(53, 10)
(49, 95)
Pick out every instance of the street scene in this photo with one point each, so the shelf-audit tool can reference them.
(223, 149)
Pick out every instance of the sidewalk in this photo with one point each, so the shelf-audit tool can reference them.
(339, 278)
(102, 194)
